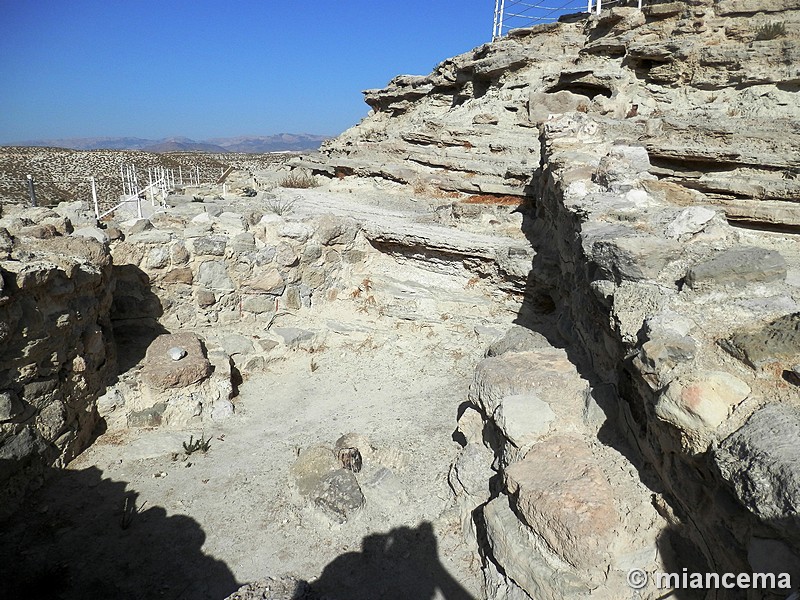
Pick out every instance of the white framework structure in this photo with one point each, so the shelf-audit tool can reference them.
(526, 13)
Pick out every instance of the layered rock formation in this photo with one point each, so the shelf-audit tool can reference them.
(636, 138)
(708, 89)
(644, 411)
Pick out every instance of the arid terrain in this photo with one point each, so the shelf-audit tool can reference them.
(529, 330)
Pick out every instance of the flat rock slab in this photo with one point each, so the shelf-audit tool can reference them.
(759, 462)
(163, 373)
(738, 266)
(562, 493)
(777, 341)
(293, 336)
(547, 373)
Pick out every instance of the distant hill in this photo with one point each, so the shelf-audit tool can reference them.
(270, 143)
(190, 146)
(250, 144)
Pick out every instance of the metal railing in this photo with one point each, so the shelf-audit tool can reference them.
(513, 14)
(134, 201)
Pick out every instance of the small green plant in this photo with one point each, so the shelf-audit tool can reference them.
(129, 511)
(298, 179)
(281, 206)
(196, 444)
(771, 31)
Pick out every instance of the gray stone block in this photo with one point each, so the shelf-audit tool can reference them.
(761, 463)
(210, 245)
(517, 339)
(776, 341)
(293, 336)
(738, 266)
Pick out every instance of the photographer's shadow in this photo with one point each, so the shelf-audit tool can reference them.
(401, 564)
(84, 536)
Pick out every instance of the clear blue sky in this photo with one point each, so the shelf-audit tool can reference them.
(143, 68)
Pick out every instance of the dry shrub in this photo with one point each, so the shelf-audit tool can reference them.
(298, 180)
(494, 200)
(771, 31)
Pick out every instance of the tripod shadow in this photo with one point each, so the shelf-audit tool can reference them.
(398, 565)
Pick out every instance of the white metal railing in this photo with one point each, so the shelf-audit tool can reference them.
(157, 191)
(511, 14)
(160, 182)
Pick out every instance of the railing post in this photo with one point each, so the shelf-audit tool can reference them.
(31, 190)
(94, 199)
(599, 2)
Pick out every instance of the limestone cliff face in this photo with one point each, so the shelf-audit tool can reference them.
(640, 144)
(56, 350)
(708, 88)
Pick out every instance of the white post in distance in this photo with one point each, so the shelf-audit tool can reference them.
(94, 199)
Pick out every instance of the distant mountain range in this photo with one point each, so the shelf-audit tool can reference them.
(253, 144)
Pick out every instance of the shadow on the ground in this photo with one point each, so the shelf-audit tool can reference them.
(85, 537)
(398, 565)
(134, 315)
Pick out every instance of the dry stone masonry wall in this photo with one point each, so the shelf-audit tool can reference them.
(643, 412)
(636, 138)
(56, 348)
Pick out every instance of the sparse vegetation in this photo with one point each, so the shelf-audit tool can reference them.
(281, 206)
(771, 31)
(193, 445)
(129, 511)
(495, 200)
(298, 180)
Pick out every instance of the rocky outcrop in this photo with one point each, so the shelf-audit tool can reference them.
(638, 138)
(57, 352)
(708, 89)
(646, 322)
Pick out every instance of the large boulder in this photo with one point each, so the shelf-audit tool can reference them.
(162, 371)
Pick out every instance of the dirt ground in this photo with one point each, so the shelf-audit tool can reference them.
(134, 517)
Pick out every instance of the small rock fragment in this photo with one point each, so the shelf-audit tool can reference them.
(176, 353)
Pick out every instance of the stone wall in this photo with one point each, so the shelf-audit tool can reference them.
(671, 306)
(657, 151)
(57, 352)
(226, 272)
(664, 435)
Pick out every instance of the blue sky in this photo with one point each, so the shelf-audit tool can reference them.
(202, 69)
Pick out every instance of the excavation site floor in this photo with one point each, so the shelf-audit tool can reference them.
(134, 516)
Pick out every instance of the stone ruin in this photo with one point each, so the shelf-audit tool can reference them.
(643, 409)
